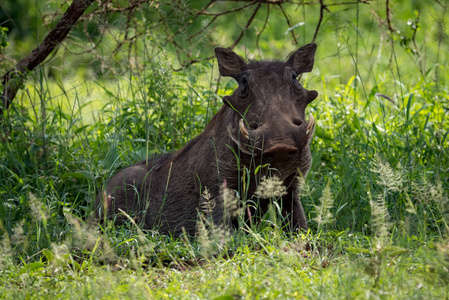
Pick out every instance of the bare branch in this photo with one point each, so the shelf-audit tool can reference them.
(441, 4)
(250, 20)
(348, 3)
(184, 38)
(390, 27)
(38, 55)
(322, 7)
(230, 10)
(295, 41)
(263, 28)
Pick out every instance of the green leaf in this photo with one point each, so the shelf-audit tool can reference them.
(358, 250)
(31, 267)
(322, 134)
(225, 297)
(258, 168)
(356, 123)
(394, 250)
(48, 254)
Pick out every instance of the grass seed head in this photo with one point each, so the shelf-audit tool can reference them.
(393, 180)
(230, 203)
(324, 214)
(208, 202)
(270, 187)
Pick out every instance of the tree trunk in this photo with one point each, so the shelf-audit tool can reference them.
(14, 78)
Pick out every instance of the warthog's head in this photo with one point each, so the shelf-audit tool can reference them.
(270, 104)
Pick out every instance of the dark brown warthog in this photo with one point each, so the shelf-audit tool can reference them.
(262, 123)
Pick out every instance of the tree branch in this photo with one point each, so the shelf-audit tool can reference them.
(390, 27)
(322, 7)
(290, 25)
(250, 20)
(14, 78)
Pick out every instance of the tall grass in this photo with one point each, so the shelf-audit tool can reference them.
(376, 195)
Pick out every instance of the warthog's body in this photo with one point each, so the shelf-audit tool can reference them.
(262, 123)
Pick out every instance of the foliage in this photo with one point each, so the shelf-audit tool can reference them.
(376, 196)
(3, 38)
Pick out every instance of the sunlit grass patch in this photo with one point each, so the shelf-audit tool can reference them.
(376, 196)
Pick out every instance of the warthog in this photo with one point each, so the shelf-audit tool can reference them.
(263, 123)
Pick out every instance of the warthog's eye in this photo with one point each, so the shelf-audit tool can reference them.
(244, 87)
(294, 75)
(295, 82)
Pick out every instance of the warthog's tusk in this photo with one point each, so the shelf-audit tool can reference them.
(310, 124)
(243, 129)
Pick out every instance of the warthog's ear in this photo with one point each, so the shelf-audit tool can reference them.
(302, 60)
(229, 63)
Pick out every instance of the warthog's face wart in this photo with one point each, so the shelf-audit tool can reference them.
(270, 107)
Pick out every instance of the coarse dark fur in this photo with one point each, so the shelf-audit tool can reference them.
(165, 192)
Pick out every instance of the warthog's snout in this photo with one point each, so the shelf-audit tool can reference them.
(280, 153)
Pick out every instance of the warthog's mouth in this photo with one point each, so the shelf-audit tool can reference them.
(247, 143)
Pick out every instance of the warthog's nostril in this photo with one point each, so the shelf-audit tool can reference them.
(292, 154)
(280, 152)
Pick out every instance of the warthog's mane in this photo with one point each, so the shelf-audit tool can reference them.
(266, 64)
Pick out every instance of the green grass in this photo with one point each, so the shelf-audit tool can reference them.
(256, 266)
(376, 196)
